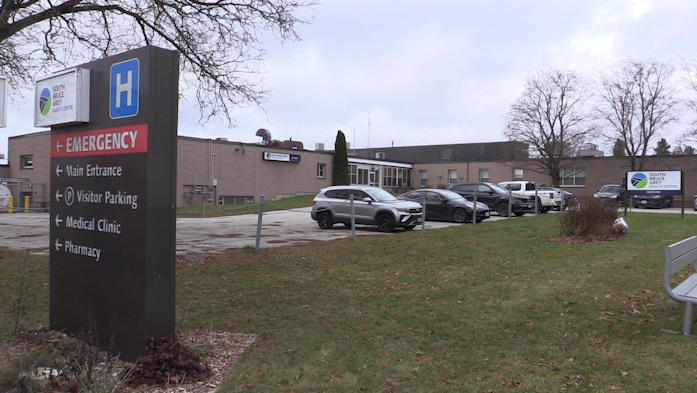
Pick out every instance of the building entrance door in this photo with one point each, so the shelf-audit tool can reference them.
(374, 176)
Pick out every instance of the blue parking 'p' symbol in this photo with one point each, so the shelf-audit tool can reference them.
(123, 89)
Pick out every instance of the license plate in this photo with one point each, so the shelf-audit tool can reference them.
(486, 214)
(644, 202)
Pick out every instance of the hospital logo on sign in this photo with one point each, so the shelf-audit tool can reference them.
(123, 89)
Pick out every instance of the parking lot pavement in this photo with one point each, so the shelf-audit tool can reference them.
(22, 231)
(30, 231)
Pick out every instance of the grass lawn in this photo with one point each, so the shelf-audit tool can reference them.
(473, 308)
(252, 208)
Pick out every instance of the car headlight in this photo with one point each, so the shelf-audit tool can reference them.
(595, 196)
(613, 196)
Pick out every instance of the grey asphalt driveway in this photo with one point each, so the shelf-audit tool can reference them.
(21, 231)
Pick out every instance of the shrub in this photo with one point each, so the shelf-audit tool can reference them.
(167, 361)
(593, 219)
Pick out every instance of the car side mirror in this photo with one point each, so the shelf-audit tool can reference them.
(366, 199)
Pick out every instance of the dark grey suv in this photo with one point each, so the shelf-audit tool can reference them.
(495, 196)
(371, 205)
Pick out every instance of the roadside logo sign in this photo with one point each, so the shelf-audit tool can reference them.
(123, 89)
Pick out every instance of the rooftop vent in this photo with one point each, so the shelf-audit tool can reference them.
(319, 146)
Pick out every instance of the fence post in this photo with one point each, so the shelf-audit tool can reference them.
(26, 204)
(510, 200)
(9, 204)
(423, 213)
(261, 214)
(474, 211)
(536, 205)
(353, 220)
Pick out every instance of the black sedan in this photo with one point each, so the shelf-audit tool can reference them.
(443, 205)
(653, 200)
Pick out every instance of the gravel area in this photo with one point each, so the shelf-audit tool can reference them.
(222, 350)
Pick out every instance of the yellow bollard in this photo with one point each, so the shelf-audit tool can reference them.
(9, 205)
(26, 204)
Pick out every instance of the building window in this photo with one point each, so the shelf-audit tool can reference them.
(573, 177)
(672, 167)
(484, 175)
(623, 174)
(353, 174)
(517, 174)
(446, 154)
(380, 155)
(396, 177)
(26, 162)
(452, 176)
(321, 171)
(389, 178)
(423, 178)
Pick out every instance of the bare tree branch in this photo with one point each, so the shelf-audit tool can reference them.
(550, 117)
(219, 40)
(636, 102)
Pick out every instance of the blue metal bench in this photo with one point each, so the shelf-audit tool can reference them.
(677, 256)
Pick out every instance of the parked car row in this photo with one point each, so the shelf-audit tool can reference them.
(375, 206)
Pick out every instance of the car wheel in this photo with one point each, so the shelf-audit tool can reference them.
(385, 223)
(502, 209)
(324, 220)
(544, 209)
(459, 215)
(670, 203)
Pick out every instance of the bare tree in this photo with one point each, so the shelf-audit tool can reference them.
(690, 82)
(637, 100)
(550, 116)
(219, 40)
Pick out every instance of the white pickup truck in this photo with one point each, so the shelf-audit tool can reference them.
(546, 199)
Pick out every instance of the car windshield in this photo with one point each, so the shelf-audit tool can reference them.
(381, 195)
(451, 195)
(498, 188)
(610, 189)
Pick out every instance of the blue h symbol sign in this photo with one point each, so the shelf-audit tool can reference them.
(123, 95)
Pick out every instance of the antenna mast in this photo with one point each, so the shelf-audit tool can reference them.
(368, 113)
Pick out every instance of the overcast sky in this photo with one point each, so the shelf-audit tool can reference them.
(408, 72)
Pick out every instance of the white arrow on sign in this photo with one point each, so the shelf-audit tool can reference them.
(58, 170)
(58, 245)
(58, 195)
(58, 146)
(58, 220)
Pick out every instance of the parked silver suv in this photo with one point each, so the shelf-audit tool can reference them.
(371, 206)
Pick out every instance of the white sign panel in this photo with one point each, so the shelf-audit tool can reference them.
(269, 156)
(62, 99)
(654, 182)
(3, 102)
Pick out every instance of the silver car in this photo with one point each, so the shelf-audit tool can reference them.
(371, 206)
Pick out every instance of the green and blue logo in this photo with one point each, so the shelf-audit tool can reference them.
(639, 180)
(45, 101)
